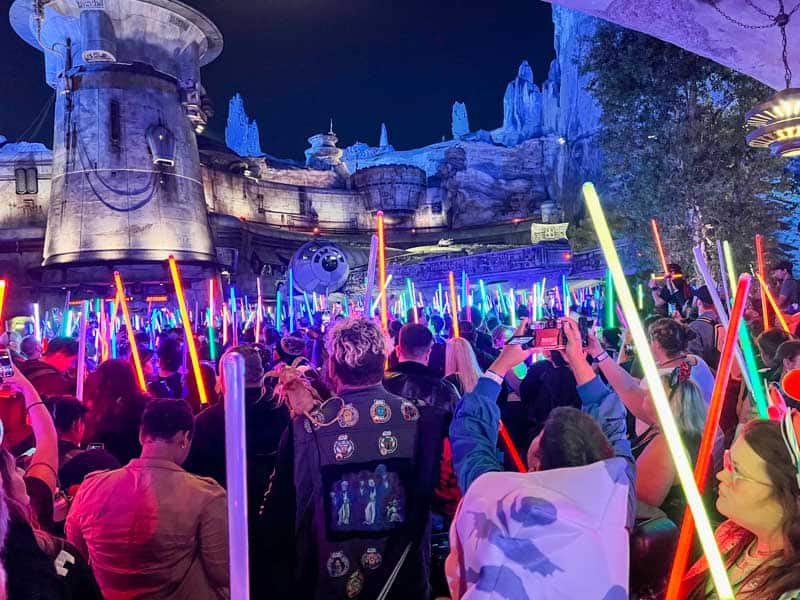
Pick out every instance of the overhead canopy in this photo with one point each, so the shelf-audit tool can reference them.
(697, 26)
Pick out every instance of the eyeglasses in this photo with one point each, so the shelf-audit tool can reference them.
(729, 466)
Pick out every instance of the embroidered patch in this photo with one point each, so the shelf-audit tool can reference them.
(338, 564)
(380, 412)
(307, 425)
(387, 443)
(367, 500)
(348, 417)
(371, 559)
(409, 410)
(343, 447)
(355, 583)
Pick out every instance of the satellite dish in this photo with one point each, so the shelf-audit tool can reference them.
(320, 266)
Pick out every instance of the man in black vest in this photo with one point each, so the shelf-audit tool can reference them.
(347, 512)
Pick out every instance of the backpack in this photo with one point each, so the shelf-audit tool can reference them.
(711, 355)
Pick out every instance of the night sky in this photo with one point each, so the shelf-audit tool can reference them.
(299, 62)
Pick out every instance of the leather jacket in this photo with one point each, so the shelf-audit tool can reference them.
(419, 382)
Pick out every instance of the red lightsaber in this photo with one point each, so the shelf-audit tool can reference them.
(2, 298)
(198, 376)
(709, 434)
(659, 245)
(761, 276)
(126, 316)
(512, 449)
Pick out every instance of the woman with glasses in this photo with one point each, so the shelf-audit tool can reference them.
(759, 495)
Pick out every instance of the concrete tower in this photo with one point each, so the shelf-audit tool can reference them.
(126, 181)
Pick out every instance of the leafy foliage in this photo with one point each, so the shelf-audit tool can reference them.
(673, 143)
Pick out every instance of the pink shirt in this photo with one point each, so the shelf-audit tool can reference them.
(151, 530)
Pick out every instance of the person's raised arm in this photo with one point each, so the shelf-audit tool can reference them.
(636, 399)
(473, 431)
(44, 461)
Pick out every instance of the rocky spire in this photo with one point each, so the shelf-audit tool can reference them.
(459, 123)
(384, 141)
(241, 134)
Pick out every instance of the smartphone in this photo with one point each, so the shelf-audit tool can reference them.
(546, 335)
(96, 446)
(584, 325)
(6, 366)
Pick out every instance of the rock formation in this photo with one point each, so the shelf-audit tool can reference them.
(459, 123)
(241, 134)
(522, 109)
(384, 141)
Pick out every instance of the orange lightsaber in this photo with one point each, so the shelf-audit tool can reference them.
(382, 271)
(709, 434)
(453, 310)
(512, 449)
(760, 275)
(198, 376)
(771, 299)
(126, 316)
(2, 298)
(224, 324)
(659, 245)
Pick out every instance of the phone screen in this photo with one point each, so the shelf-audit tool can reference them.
(520, 340)
(6, 366)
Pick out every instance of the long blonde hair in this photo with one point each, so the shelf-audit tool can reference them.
(460, 359)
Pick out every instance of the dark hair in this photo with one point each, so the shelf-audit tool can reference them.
(163, 418)
(415, 340)
(783, 265)
(66, 410)
(290, 347)
(170, 354)
(29, 345)
(437, 323)
(62, 345)
(769, 342)
(788, 350)
(571, 438)
(704, 295)
(672, 336)
(113, 396)
(467, 330)
(766, 440)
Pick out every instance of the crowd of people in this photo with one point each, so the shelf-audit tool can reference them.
(376, 467)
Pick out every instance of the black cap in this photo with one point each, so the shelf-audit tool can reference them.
(704, 295)
(783, 265)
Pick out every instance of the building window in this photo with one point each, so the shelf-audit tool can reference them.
(303, 205)
(260, 199)
(436, 208)
(27, 180)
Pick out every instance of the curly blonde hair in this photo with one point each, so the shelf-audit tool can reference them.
(357, 351)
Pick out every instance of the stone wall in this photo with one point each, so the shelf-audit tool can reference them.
(24, 216)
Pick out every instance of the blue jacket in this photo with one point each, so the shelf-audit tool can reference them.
(473, 431)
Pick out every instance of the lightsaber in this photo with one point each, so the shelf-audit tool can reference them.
(81, 375)
(756, 386)
(373, 258)
(659, 246)
(64, 324)
(236, 468)
(726, 250)
(760, 274)
(279, 311)
(410, 287)
(212, 334)
(308, 306)
(198, 374)
(234, 327)
(765, 291)
(378, 299)
(703, 461)
(453, 312)
(225, 319)
(512, 449)
(668, 426)
(37, 322)
(484, 303)
(382, 271)
(291, 299)
(441, 298)
(112, 326)
(565, 295)
(610, 301)
(640, 296)
(722, 271)
(512, 308)
(464, 293)
(126, 316)
(258, 309)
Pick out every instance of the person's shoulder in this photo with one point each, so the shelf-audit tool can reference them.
(205, 485)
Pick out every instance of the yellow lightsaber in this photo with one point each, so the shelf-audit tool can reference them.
(668, 427)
